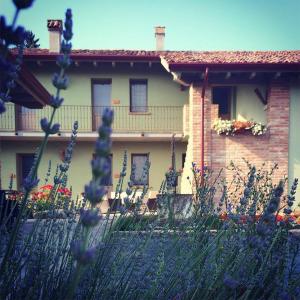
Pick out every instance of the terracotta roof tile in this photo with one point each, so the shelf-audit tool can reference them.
(186, 57)
(233, 57)
(89, 52)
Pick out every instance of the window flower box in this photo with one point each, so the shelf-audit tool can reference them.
(233, 127)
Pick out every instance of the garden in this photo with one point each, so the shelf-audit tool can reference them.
(227, 241)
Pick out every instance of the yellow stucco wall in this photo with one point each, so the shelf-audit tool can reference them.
(294, 137)
(165, 100)
(162, 90)
(248, 105)
(80, 171)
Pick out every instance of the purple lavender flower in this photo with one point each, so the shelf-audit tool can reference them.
(100, 166)
(80, 254)
(103, 147)
(55, 101)
(2, 107)
(104, 131)
(5, 97)
(67, 34)
(230, 282)
(95, 192)
(108, 116)
(46, 127)
(66, 47)
(64, 61)
(22, 4)
(60, 82)
(29, 183)
(90, 217)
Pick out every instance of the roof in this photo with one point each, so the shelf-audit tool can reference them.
(186, 57)
(233, 57)
(30, 92)
(87, 54)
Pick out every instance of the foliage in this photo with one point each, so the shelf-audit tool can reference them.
(41, 199)
(31, 41)
(232, 127)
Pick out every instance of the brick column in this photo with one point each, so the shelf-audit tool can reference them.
(195, 105)
(278, 120)
(194, 148)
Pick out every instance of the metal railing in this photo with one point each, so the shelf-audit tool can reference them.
(160, 119)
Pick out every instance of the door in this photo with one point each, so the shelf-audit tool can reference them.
(24, 164)
(101, 99)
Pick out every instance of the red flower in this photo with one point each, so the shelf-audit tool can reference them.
(46, 187)
(223, 216)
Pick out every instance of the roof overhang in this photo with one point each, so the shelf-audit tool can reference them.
(29, 92)
(185, 67)
(228, 73)
(92, 57)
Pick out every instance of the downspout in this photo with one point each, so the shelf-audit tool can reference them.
(202, 118)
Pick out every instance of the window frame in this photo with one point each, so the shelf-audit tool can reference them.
(147, 157)
(231, 103)
(93, 82)
(131, 83)
(19, 167)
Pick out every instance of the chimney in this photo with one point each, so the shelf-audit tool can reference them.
(55, 29)
(160, 38)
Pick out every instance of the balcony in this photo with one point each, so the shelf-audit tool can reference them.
(157, 119)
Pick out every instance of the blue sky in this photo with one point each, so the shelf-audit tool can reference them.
(190, 24)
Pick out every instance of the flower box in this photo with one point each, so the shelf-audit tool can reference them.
(233, 127)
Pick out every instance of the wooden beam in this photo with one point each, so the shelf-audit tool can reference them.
(228, 75)
(277, 75)
(252, 75)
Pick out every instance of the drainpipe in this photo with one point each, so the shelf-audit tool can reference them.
(205, 79)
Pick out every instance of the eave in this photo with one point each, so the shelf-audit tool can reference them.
(200, 67)
(29, 92)
(39, 95)
(91, 57)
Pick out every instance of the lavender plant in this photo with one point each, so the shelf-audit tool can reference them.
(94, 191)
(60, 81)
(10, 35)
(90, 257)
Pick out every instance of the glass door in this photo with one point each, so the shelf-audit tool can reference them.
(101, 99)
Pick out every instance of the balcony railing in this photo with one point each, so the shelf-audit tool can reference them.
(156, 119)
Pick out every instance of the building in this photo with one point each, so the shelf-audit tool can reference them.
(156, 94)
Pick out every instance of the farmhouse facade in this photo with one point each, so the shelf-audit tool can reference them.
(155, 95)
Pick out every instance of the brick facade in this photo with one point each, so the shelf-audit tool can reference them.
(220, 150)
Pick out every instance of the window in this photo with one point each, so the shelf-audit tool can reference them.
(222, 95)
(139, 161)
(107, 180)
(138, 95)
(101, 98)
(24, 164)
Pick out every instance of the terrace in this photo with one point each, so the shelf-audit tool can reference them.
(154, 119)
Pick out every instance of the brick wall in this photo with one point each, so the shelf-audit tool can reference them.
(221, 150)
